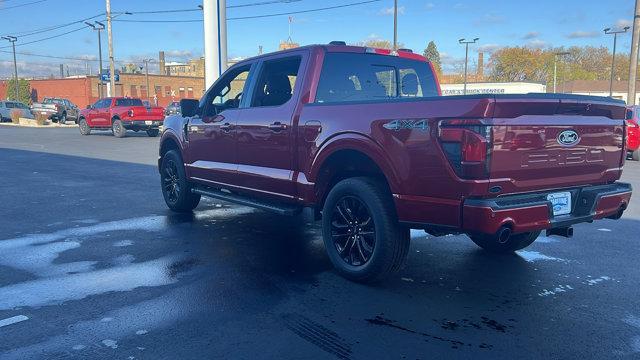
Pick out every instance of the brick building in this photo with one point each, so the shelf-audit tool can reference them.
(83, 91)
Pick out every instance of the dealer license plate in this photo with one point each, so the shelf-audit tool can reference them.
(147, 122)
(561, 202)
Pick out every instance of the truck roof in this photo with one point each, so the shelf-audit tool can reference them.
(403, 53)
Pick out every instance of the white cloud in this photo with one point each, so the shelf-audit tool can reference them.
(583, 34)
(488, 48)
(621, 23)
(531, 35)
(430, 6)
(537, 44)
(179, 53)
(389, 11)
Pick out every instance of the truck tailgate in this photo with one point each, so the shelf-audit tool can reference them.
(558, 142)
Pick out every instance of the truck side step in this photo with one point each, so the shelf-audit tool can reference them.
(281, 209)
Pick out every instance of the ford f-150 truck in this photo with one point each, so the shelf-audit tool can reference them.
(120, 114)
(363, 138)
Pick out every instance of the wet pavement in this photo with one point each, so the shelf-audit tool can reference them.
(93, 265)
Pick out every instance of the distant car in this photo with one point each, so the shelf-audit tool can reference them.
(633, 132)
(56, 109)
(173, 108)
(120, 114)
(7, 106)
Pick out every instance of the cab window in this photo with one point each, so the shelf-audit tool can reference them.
(227, 93)
(276, 82)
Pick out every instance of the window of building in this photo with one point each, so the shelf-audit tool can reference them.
(157, 90)
(167, 91)
(134, 91)
(143, 91)
(190, 93)
(181, 93)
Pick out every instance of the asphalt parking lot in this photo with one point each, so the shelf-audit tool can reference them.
(93, 265)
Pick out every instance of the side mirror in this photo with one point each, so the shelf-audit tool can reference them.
(189, 107)
(89, 106)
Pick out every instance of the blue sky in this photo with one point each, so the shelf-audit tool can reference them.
(497, 23)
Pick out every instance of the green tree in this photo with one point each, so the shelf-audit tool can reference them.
(24, 91)
(433, 55)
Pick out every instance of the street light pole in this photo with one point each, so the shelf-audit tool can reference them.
(112, 65)
(615, 33)
(98, 26)
(395, 25)
(12, 40)
(466, 59)
(555, 68)
(633, 67)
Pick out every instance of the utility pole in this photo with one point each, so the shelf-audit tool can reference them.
(215, 39)
(12, 40)
(555, 67)
(146, 76)
(466, 59)
(395, 25)
(98, 26)
(615, 33)
(633, 67)
(112, 66)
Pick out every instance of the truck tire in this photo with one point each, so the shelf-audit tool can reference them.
(361, 233)
(118, 128)
(176, 190)
(514, 242)
(153, 132)
(84, 127)
(63, 118)
(635, 155)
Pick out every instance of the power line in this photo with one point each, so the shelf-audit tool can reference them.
(53, 27)
(270, 2)
(255, 16)
(47, 38)
(21, 5)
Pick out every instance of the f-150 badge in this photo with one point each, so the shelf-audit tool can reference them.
(407, 124)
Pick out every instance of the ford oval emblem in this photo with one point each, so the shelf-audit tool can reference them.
(568, 138)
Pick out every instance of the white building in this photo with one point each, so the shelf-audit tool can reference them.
(493, 88)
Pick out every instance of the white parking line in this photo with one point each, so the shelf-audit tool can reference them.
(13, 320)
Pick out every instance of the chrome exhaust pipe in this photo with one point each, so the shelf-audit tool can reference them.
(503, 235)
(562, 231)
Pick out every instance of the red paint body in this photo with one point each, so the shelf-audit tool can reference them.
(102, 116)
(522, 155)
(633, 129)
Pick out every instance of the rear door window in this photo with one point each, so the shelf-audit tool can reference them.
(364, 77)
(129, 102)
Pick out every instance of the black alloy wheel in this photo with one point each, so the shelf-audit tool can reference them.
(171, 181)
(353, 231)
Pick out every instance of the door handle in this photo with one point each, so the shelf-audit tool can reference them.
(226, 127)
(277, 126)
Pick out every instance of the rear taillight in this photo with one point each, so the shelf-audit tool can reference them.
(467, 146)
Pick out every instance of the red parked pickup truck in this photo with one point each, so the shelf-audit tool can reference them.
(120, 114)
(363, 137)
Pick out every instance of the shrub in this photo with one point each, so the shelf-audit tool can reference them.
(41, 119)
(15, 116)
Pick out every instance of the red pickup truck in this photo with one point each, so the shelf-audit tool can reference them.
(363, 138)
(120, 114)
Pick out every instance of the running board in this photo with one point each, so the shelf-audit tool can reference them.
(281, 209)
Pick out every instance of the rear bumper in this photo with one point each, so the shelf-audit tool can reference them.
(532, 212)
(142, 124)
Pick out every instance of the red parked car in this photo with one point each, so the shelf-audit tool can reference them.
(120, 114)
(633, 133)
(363, 138)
